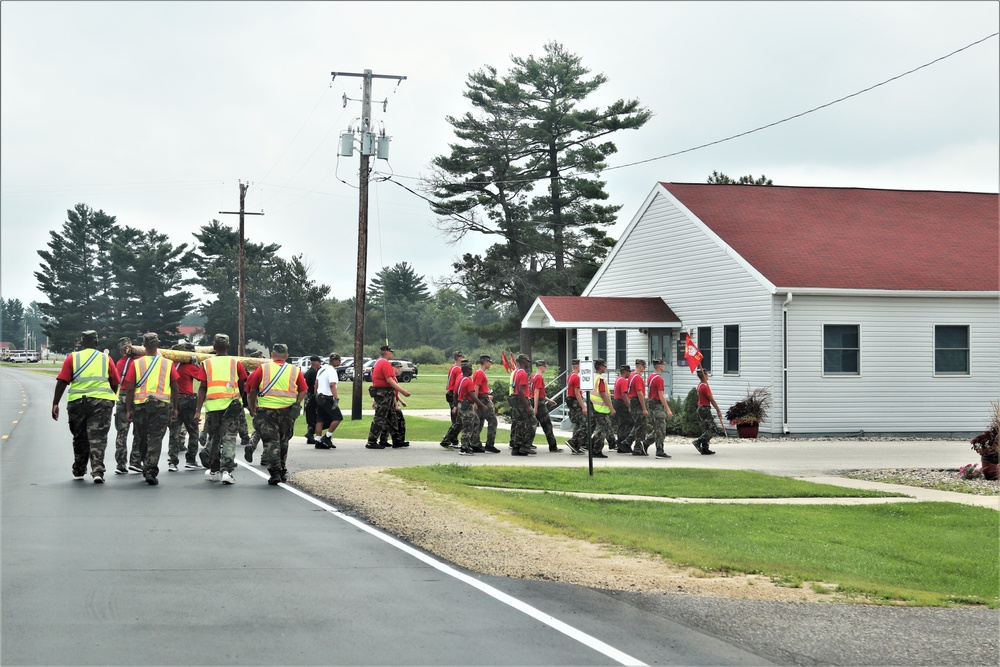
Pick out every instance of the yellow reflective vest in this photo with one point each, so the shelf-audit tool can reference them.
(277, 386)
(221, 383)
(90, 376)
(597, 400)
(152, 379)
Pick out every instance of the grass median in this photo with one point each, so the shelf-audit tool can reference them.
(934, 554)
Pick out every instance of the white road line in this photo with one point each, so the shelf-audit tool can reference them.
(587, 640)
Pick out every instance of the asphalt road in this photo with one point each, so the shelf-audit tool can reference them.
(193, 573)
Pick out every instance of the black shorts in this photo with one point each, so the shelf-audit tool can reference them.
(326, 414)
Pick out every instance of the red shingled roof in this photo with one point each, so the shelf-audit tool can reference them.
(607, 309)
(845, 238)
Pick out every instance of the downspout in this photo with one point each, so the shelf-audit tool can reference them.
(784, 363)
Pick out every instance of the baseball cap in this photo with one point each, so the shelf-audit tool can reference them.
(386, 348)
(334, 357)
(315, 358)
(657, 362)
(279, 348)
(150, 337)
(485, 357)
(221, 339)
(124, 340)
(541, 362)
(640, 362)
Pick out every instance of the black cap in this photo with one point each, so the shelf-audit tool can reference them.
(657, 362)
(483, 358)
(315, 358)
(541, 362)
(625, 367)
(386, 348)
(575, 362)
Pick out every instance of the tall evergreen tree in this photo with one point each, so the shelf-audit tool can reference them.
(13, 322)
(393, 306)
(526, 129)
(74, 276)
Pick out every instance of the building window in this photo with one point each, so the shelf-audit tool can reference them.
(705, 347)
(951, 349)
(731, 349)
(621, 348)
(602, 345)
(841, 349)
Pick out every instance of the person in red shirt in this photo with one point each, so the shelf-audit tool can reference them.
(187, 418)
(638, 410)
(540, 403)
(705, 403)
(659, 409)
(577, 411)
(450, 390)
(468, 419)
(123, 461)
(274, 414)
(623, 418)
(92, 379)
(150, 403)
(383, 390)
(522, 430)
(487, 414)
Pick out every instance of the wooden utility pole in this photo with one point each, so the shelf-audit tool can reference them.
(367, 147)
(241, 349)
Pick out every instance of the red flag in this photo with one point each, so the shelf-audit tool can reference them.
(503, 360)
(692, 354)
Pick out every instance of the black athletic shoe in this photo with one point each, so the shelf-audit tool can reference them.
(662, 455)
(518, 452)
(274, 479)
(697, 444)
(152, 481)
(374, 445)
(478, 449)
(247, 454)
(203, 457)
(492, 450)
(400, 445)
(284, 475)
(320, 445)
(555, 450)
(706, 451)
(446, 445)
(600, 455)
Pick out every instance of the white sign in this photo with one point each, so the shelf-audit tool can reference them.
(586, 376)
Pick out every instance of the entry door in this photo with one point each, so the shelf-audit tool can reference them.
(661, 347)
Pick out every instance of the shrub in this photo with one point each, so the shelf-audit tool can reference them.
(674, 426)
(501, 390)
(422, 354)
(689, 424)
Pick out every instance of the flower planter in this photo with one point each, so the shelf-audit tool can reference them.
(748, 430)
(990, 465)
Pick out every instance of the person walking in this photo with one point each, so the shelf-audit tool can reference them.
(384, 386)
(327, 412)
(187, 416)
(451, 389)
(577, 411)
(150, 404)
(604, 411)
(468, 403)
(92, 379)
(224, 380)
(622, 414)
(315, 363)
(637, 408)
(275, 391)
(488, 414)
(398, 431)
(706, 401)
(541, 403)
(659, 409)
(523, 423)
(122, 424)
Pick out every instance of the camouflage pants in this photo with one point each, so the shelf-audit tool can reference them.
(398, 431)
(185, 423)
(244, 432)
(545, 422)
(603, 431)
(581, 436)
(638, 424)
(523, 424)
(489, 420)
(458, 428)
(623, 422)
(707, 424)
(384, 421)
(151, 419)
(275, 427)
(89, 422)
(658, 423)
(469, 419)
(222, 427)
(122, 427)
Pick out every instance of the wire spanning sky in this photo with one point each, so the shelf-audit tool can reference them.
(153, 111)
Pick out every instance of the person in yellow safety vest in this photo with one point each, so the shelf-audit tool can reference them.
(92, 379)
(274, 393)
(600, 400)
(151, 402)
(219, 394)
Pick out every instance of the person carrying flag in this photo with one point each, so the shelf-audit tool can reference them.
(705, 403)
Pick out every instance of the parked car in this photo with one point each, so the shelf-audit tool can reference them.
(23, 356)
(305, 364)
(348, 366)
(407, 373)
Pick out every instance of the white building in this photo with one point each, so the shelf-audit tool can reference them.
(864, 311)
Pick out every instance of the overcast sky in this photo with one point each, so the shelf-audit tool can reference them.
(153, 111)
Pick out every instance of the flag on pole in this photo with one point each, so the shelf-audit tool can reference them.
(692, 354)
(503, 360)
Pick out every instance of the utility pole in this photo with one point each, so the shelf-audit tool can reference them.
(367, 149)
(241, 350)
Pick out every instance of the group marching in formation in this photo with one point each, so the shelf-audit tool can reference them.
(629, 422)
(155, 395)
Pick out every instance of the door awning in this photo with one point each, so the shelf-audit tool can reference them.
(600, 312)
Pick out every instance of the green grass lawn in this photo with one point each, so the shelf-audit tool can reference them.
(661, 482)
(910, 553)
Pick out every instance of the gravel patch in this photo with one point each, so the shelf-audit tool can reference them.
(489, 544)
(943, 479)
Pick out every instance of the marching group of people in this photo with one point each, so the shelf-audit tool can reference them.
(630, 418)
(156, 396)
